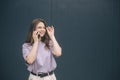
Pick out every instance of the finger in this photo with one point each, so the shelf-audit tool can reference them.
(52, 28)
(34, 33)
(48, 28)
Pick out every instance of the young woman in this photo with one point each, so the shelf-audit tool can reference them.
(39, 50)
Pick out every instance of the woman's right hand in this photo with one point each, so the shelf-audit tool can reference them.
(35, 36)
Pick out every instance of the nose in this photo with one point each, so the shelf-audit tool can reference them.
(42, 29)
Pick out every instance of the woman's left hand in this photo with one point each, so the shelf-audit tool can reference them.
(50, 31)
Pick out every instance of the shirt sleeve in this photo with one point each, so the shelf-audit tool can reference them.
(25, 50)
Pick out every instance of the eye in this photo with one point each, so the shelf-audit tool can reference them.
(39, 27)
(44, 27)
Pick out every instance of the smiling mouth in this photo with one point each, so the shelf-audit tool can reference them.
(42, 33)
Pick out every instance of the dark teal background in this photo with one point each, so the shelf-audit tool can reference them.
(87, 30)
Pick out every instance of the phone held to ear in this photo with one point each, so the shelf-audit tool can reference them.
(38, 34)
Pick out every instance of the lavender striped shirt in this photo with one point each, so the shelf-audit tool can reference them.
(44, 62)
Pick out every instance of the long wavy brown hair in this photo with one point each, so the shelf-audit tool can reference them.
(33, 25)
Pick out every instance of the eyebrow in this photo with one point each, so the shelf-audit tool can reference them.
(41, 26)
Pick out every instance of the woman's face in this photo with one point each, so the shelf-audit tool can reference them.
(41, 29)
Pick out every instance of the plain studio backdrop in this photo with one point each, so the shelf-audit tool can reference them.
(87, 30)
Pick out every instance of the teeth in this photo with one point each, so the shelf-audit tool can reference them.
(42, 32)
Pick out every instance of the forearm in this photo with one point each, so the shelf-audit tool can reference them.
(57, 50)
(33, 53)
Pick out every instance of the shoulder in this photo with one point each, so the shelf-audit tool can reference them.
(26, 45)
